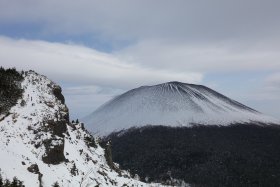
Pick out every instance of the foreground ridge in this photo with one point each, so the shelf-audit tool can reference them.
(40, 147)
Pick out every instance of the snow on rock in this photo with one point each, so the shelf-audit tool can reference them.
(39, 146)
(170, 104)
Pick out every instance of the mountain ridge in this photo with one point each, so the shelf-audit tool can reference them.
(40, 146)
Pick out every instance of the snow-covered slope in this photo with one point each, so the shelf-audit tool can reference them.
(40, 147)
(172, 104)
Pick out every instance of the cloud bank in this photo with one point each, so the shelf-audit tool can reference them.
(182, 20)
(82, 65)
(216, 57)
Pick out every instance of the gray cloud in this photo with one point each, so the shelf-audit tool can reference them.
(84, 99)
(216, 57)
(175, 35)
(91, 90)
(82, 65)
(273, 80)
(180, 20)
(266, 96)
(272, 85)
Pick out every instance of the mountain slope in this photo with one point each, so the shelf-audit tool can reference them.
(39, 146)
(206, 156)
(170, 104)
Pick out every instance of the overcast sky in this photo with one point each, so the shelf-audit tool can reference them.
(98, 49)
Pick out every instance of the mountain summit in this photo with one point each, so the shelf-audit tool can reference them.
(171, 104)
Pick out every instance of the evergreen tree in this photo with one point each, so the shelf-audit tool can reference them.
(55, 184)
(14, 182)
(1, 179)
(10, 88)
(7, 183)
(20, 183)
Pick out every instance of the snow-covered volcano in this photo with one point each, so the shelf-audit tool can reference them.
(171, 104)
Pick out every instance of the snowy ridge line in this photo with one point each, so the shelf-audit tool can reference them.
(171, 104)
(25, 131)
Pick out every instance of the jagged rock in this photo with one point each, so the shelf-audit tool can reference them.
(64, 112)
(33, 169)
(57, 93)
(57, 127)
(54, 151)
